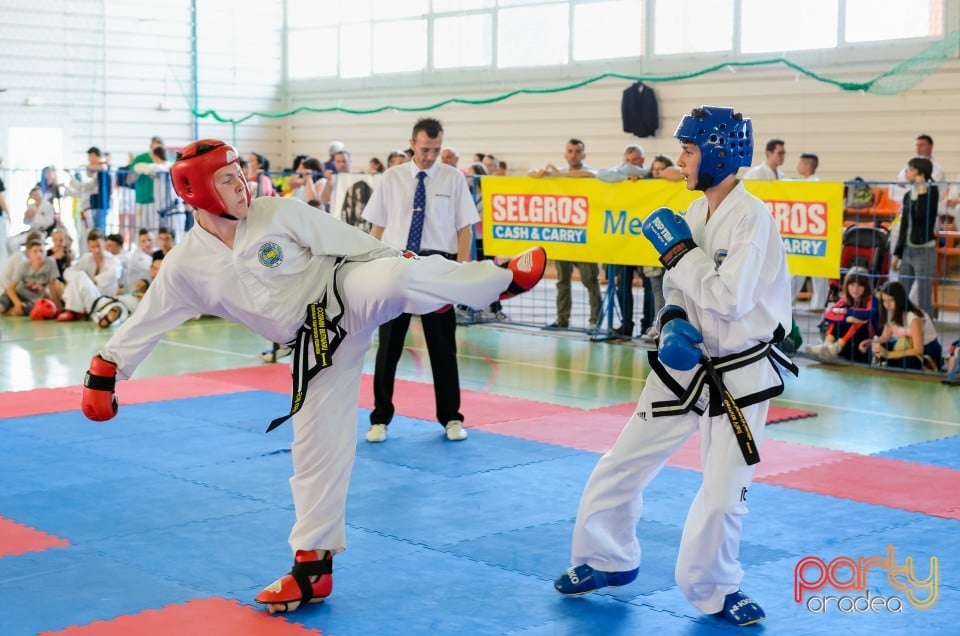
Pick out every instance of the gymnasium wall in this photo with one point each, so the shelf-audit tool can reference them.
(854, 134)
(114, 73)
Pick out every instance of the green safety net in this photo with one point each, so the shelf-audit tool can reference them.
(900, 78)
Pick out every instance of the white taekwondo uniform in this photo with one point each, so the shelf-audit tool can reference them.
(284, 257)
(735, 288)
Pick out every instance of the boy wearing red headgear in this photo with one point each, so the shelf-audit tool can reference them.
(293, 276)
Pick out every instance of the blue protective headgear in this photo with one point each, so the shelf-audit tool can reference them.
(725, 139)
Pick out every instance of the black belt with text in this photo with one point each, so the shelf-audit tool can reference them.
(721, 400)
(325, 335)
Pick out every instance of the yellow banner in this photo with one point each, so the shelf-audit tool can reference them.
(591, 221)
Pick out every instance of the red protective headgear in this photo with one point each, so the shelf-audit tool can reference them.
(43, 309)
(192, 174)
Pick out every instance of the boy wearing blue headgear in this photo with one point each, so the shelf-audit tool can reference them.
(727, 293)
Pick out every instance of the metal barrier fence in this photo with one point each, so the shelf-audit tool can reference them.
(116, 202)
(138, 200)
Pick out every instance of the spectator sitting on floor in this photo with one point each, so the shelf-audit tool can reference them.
(853, 319)
(60, 251)
(165, 241)
(155, 264)
(9, 267)
(112, 311)
(33, 279)
(952, 356)
(141, 257)
(114, 244)
(909, 338)
(97, 269)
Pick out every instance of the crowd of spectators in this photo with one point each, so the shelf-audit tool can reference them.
(93, 267)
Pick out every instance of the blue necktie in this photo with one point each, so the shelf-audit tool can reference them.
(419, 207)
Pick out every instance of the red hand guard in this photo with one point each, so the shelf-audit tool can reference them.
(99, 402)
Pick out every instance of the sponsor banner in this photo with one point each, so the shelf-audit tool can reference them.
(591, 221)
(809, 215)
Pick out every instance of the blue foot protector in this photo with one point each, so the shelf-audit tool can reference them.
(741, 610)
(583, 579)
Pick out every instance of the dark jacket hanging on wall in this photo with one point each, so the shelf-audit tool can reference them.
(639, 109)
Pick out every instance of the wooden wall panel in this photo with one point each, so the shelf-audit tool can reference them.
(853, 133)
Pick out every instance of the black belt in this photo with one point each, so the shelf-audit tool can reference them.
(325, 335)
(446, 255)
(687, 397)
(95, 305)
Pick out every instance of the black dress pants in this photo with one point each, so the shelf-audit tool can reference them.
(439, 330)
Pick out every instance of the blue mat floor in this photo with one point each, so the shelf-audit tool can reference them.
(189, 499)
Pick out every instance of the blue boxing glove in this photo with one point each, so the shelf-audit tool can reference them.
(678, 340)
(670, 235)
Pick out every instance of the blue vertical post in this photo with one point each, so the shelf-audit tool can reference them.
(608, 304)
(194, 73)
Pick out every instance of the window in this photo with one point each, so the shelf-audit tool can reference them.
(309, 13)
(312, 53)
(354, 11)
(355, 50)
(517, 3)
(392, 9)
(399, 46)
(447, 6)
(869, 20)
(366, 38)
(787, 25)
(520, 45)
(596, 36)
(695, 26)
(463, 41)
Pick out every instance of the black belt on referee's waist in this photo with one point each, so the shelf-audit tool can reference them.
(447, 255)
(325, 334)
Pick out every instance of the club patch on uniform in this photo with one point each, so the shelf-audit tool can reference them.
(718, 258)
(270, 255)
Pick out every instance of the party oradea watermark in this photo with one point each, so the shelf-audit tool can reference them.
(859, 585)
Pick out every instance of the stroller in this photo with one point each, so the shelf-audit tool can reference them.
(866, 247)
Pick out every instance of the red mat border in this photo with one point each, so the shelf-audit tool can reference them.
(17, 538)
(193, 617)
